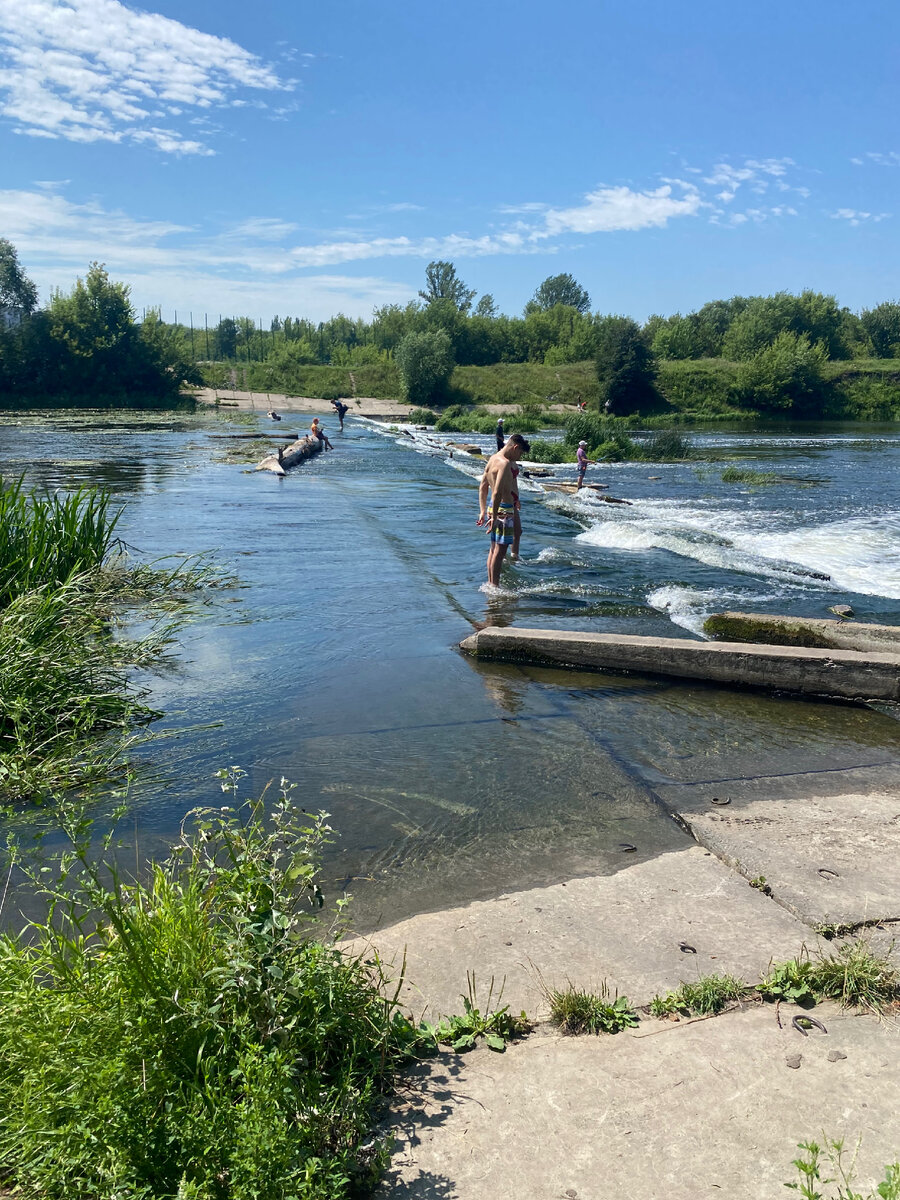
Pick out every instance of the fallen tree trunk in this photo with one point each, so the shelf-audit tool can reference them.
(283, 459)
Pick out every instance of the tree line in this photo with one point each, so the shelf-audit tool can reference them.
(85, 342)
(777, 347)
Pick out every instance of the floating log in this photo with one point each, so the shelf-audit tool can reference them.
(289, 456)
(847, 673)
(803, 631)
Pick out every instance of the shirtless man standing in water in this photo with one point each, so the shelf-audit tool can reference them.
(499, 479)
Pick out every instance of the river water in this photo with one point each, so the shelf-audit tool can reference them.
(335, 663)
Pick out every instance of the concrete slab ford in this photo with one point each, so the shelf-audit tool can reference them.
(846, 673)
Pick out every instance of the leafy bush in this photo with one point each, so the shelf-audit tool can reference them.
(423, 416)
(550, 452)
(425, 361)
(786, 375)
(790, 981)
(187, 1036)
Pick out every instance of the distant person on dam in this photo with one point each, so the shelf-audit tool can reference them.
(501, 438)
(500, 481)
(583, 462)
(341, 409)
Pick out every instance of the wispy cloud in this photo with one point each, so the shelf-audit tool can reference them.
(856, 217)
(94, 70)
(889, 159)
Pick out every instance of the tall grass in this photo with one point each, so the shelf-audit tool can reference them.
(47, 539)
(64, 687)
(67, 706)
(189, 1036)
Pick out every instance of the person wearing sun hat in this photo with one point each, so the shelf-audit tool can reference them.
(583, 461)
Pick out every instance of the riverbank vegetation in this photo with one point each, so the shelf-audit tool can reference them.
(608, 440)
(747, 357)
(68, 704)
(85, 344)
(196, 1035)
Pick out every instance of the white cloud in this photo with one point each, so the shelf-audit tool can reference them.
(94, 70)
(610, 209)
(890, 159)
(757, 174)
(856, 217)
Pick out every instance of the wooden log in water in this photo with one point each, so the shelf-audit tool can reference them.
(290, 456)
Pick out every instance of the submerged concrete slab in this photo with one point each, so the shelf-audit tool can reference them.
(676, 1111)
(626, 929)
(803, 631)
(846, 673)
(827, 844)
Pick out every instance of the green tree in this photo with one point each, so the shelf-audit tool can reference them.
(882, 328)
(425, 361)
(16, 289)
(678, 337)
(560, 289)
(442, 283)
(226, 338)
(92, 336)
(783, 377)
(764, 318)
(392, 322)
(626, 368)
(486, 306)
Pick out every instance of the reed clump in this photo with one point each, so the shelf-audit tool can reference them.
(68, 704)
(197, 1034)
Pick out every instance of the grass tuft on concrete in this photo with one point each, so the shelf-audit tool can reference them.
(576, 1011)
(707, 995)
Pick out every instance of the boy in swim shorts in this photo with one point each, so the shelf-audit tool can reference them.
(498, 479)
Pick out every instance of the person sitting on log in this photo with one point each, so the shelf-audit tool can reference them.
(317, 431)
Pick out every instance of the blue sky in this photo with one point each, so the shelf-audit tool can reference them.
(289, 158)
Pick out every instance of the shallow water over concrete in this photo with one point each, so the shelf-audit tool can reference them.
(335, 665)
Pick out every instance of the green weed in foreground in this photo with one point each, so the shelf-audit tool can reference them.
(854, 974)
(708, 994)
(837, 1175)
(577, 1011)
(496, 1026)
(194, 1035)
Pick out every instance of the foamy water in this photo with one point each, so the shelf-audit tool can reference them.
(827, 539)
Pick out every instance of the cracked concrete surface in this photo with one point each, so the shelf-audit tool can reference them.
(626, 929)
(681, 1111)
